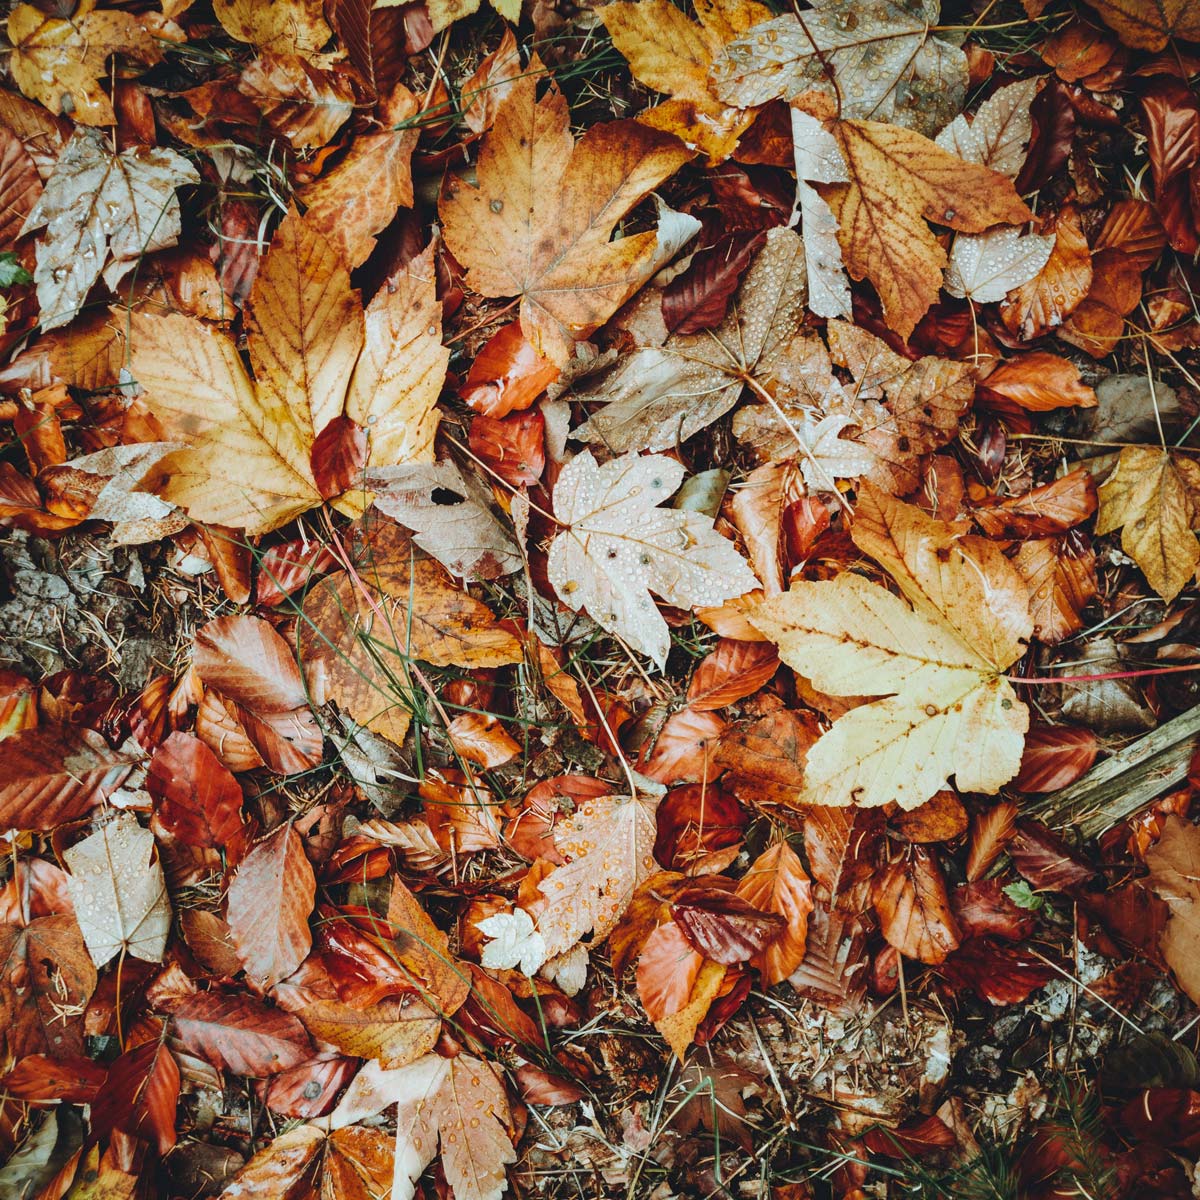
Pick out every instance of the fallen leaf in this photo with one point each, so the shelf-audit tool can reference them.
(1046, 300)
(423, 951)
(777, 882)
(238, 1033)
(117, 887)
(879, 63)
(1055, 756)
(64, 63)
(300, 102)
(297, 27)
(450, 516)
(819, 160)
(731, 672)
(458, 1102)
(722, 925)
(617, 546)
(948, 708)
(317, 357)
(139, 1096)
(269, 903)
(518, 236)
(898, 181)
(1150, 24)
(987, 266)
(1173, 876)
(607, 846)
(670, 53)
(514, 942)
(103, 213)
(666, 971)
(56, 773)
(196, 798)
(394, 1032)
(679, 1028)
(1153, 498)
(914, 909)
(998, 134)
(699, 298)
(1040, 381)
(1062, 583)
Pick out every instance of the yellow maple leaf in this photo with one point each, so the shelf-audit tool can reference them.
(316, 356)
(947, 708)
(63, 64)
(538, 223)
(1154, 499)
(899, 181)
(1150, 24)
(672, 54)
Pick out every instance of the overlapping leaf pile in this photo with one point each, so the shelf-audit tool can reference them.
(555, 564)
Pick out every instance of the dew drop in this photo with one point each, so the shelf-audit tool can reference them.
(496, 205)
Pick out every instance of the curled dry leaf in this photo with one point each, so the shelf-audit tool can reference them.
(519, 236)
(618, 546)
(777, 882)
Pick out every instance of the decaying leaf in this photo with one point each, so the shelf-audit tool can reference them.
(102, 212)
(458, 1102)
(317, 357)
(879, 61)
(948, 708)
(538, 222)
(617, 546)
(819, 160)
(117, 888)
(1173, 876)
(1154, 499)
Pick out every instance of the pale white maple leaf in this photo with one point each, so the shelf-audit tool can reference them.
(617, 546)
(987, 266)
(515, 942)
(568, 970)
(819, 160)
(824, 455)
(999, 134)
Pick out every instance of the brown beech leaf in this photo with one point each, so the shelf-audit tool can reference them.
(300, 102)
(1052, 295)
(56, 773)
(914, 910)
(666, 971)
(765, 758)
(1173, 876)
(694, 821)
(733, 671)
(238, 1033)
(992, 829)
(683, 750)
(1040, 381)
(507, 375)
(424, 951)
(997, 973)
(983, 910)
(196, 798)
(139, 1096)
(270, 900)
(776, 882)
(1150, 24)
(898, 181)
(699, 298)
(394, 1032)
(941, 819)
(20, 186)
(1045, 860)
(1052, 507)
(247, 661)
(549, 245)
(1055, 755)
(723, 925)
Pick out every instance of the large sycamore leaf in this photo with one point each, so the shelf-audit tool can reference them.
(946, 707)
(1150, 24)
(877, 58)
(119, 893)
(672, 54)
(318, 358)
(1174, 870)
(457, 1101)
(102, 212)
(538, 222)
(899, 181)
(617, 547)
(608, 849)
(1154, 499)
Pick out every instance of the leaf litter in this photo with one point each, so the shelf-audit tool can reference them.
(599, 601)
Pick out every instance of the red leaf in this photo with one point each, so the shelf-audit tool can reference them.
(540, 1087)
(508, 374)
(286, 568)
(513, 446)
(925, 1135)
(666, 971)
(914, 910)
(723, 926)
(197, 799)
(696, 820)
(308, 1090)
(338, 456)
(240, 1034)
(270, 900)
(731, 672)
(996, 973)
(699, 298)
(139, 1096)
(983, 909)
(1055, 755)
(40, 1079)
(991, 830)
(1172, 115)
(247, 661)
(56, 773)
(1045, 860)
(683, 750)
